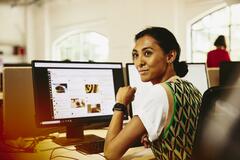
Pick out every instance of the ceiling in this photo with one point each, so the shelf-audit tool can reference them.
(19, 2)
(30, 2)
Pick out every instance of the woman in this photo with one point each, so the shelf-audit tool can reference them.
(167, 117)
(218, 55)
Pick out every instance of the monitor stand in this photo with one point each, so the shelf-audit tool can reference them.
(75, 135)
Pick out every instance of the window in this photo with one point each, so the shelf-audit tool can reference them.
(224, 21)
(84, 46)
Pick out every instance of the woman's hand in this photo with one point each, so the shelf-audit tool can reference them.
(125, 95)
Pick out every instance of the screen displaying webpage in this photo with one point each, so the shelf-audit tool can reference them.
(81, 92)
(197, 75)
(135, 81)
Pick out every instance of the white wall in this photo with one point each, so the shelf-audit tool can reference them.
(12, 31)
(118, 20)
(126, 19)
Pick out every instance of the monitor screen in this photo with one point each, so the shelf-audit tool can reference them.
(197, 75)
(229, 73)
(134, 80)
(75, 94)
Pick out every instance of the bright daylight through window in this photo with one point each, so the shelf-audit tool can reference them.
(84, 46)
(224, 21)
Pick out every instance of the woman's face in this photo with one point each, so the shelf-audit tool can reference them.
(149, 59)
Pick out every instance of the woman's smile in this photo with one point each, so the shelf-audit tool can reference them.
(143, 71)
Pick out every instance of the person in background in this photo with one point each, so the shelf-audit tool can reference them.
(220, 54)
(166, 119)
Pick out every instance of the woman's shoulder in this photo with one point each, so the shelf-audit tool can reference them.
(156, 88)
(213, 51)
(180, 83)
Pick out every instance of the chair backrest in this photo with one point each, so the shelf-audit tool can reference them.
(218, 113)
(213, 77)
(229, 73)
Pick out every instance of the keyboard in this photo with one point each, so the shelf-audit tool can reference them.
(97, 146)
(91, 147)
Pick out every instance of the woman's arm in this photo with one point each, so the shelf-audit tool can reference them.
(119, 139)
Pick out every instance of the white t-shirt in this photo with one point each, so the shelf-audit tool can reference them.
(152, 109)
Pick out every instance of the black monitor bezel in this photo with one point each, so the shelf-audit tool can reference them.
(128, 83)
(70, 121)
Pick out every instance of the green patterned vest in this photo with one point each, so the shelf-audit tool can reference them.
(176, 141)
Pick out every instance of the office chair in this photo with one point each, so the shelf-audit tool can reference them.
(229, 73)
(219, 120)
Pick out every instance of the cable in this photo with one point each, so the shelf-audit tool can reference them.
(101, 155)
(22, 145)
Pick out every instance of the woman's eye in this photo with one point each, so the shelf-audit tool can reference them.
(134, 55)
(147, 53)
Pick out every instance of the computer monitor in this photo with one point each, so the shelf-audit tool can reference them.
(229, 73)
(75, 94)
(134, 80)
(18, 105)
(197, 75)
(12, 65)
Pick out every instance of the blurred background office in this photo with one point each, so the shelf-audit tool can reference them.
(102, 30)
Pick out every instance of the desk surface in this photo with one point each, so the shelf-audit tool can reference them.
(45, 148)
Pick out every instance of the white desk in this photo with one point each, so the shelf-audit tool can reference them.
(44, 149)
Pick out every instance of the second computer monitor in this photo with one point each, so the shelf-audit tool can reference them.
(197, 75)
(18, 105)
